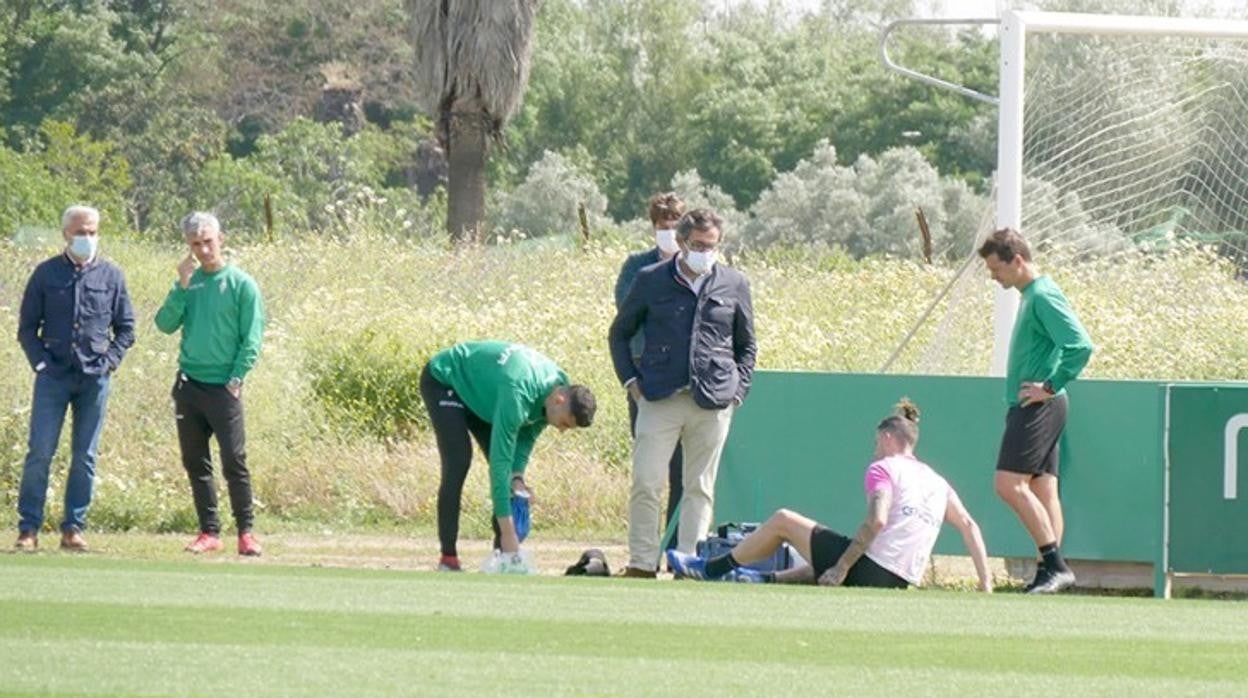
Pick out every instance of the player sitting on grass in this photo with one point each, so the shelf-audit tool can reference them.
(906, 503)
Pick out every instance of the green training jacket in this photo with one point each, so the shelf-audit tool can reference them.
(506, 385)
(222, 320)
(1048, 343)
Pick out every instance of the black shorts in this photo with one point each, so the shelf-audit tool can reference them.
(826, 548)
(1030, 443)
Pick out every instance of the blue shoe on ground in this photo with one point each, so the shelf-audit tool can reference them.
(685, 566)
(745, 575)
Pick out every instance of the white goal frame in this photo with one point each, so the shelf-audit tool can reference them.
(1014, 28)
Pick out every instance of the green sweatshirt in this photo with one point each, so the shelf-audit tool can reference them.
(1048, 344)
(506, 385)
(222, 321)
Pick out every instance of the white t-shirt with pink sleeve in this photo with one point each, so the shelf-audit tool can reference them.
(905, 543)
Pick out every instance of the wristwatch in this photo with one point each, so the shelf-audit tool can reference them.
(1048, 387)
(235, 383)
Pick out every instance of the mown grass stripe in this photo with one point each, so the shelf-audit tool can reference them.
(617, 601)
(130, 669)
(891, 644)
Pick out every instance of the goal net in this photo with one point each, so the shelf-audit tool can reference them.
(1134, 196)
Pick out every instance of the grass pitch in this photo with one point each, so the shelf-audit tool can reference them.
(93, 625)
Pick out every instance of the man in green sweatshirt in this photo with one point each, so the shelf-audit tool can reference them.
(503, 395)
(219, 310)
(1048, 349)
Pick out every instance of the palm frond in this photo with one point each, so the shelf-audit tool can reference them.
(475, 50)
(428, 33)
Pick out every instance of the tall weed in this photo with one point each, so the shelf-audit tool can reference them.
(336, 431)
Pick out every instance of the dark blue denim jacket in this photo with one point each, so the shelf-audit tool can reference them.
(76, 319)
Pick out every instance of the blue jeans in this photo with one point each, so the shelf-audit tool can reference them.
(87, 396)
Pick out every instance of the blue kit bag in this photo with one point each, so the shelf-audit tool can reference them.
(730, 534)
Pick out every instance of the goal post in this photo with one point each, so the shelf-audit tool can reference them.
(1122, 155)
(1014, 28)
(1115, 135)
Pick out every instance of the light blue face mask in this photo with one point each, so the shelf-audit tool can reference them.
(84, 246)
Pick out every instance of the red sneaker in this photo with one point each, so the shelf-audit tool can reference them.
(248, 545)
(449, 563)
(205, 543)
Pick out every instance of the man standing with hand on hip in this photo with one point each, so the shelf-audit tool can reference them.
(694, 370)
(219, 310)
(75, 325)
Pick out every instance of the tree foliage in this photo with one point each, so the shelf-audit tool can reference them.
(61, 168)
(653, 88)
(210, 103)
(547, 201)
(868, 207)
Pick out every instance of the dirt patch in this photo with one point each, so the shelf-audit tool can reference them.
(351, 550)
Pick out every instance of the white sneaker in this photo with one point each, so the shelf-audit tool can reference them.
(517, 563)
(499, 562)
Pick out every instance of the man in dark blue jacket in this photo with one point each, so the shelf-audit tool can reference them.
(665, 212)
(75, 325)
(694, 370)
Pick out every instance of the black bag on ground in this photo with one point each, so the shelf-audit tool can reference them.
(592, 564)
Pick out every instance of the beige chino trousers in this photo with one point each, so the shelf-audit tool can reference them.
(660, 425)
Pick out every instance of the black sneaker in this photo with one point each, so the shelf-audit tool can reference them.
(1053, 582)
(1032, 584)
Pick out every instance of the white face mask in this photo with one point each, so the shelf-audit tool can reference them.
(700, 262)
(665, 239)
(83, 247)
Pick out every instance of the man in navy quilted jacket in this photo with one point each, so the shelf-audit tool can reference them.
(694, 370)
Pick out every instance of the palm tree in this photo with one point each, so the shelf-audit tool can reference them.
(472, 67)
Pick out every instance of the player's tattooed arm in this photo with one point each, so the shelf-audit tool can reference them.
(878, 503)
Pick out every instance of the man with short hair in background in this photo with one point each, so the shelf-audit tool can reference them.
(75, 325)
(219, 310)
(695, 369)
(1048, 349)
(665, 212)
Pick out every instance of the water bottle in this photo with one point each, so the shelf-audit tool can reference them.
(520, 514)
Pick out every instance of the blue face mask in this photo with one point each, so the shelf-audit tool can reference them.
(84, 246)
